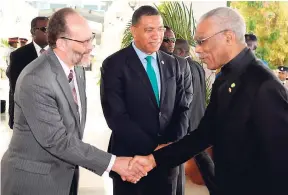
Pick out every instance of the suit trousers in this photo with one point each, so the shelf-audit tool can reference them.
(181, 180)
(158, 182)
(74, 183)
(206, 167)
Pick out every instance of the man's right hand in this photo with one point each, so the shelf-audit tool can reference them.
(147, 162)
(132, 175)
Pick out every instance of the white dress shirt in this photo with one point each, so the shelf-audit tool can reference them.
(38, 48)
(67, 72)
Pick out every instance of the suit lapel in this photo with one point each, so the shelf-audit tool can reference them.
(136, 65)
(33, 51)
(63, 82)
(161, 64)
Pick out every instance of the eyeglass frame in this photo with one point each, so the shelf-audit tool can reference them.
(201, 41)
(85, 42)
(173, 40)
(41, 29)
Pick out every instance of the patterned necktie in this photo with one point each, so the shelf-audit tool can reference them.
(71, 83)
(152, 77)
(42, 50)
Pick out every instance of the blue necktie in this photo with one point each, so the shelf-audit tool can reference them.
(152, 77)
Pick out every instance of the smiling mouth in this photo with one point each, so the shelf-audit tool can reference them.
(154, 43)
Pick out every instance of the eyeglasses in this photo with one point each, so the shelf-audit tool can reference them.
(201, 41)
(86, 42)
(167, 40)
(43, 29)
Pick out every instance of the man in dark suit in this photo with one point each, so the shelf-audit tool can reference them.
(23, 56)
(197, 110)
(168, 46)
(144, 102)
(246, 120)
(46, 147)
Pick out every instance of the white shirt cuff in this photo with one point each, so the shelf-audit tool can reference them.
(112, 161)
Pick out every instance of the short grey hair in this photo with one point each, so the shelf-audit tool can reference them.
(228, 19)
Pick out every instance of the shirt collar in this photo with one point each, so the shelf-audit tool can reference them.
(64, 66)
(234, 65)
(38, 48)
(142, 55)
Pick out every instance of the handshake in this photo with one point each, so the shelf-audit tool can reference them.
(133, 169)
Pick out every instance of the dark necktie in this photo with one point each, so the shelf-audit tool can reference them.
(71, 83)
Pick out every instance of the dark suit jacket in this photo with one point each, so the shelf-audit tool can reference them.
(247, 124)
(138, 125)
(197, 106)
(187, 78)
(19, 59)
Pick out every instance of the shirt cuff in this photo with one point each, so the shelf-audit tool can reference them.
(112, 161)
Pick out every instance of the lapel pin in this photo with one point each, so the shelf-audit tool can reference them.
(162, 62)
(230, 90)
(233, 85)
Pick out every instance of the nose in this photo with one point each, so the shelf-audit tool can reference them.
(170, 43)
(198, 49)
(157, 34)
(90, 46)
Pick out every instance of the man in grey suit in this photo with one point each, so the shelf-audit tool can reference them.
(50, 113)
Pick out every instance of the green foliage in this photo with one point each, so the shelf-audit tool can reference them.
(268, 21)
(4, 43)
(208, 89)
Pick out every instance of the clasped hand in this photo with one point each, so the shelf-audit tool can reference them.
(133, 169)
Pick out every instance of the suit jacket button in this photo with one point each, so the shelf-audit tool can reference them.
(158, 134)
(160, 114)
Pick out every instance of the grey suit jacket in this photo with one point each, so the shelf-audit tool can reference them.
(46, 145)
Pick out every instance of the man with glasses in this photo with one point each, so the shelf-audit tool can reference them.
(24, 55)
(197, 110)
(46, 148)
(246, 120)
(143, 101)
(169, 39)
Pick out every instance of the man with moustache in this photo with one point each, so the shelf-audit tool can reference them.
(246, 120)
(194, 80)
(46, 147)
(144, 102)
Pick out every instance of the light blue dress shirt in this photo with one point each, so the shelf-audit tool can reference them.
(154, 62)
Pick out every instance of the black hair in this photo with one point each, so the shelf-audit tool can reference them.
(250, 37)
(145, 10)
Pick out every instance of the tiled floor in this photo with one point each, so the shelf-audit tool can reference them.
(97, 134)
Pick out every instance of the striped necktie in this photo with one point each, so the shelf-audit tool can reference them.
(71, 83)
